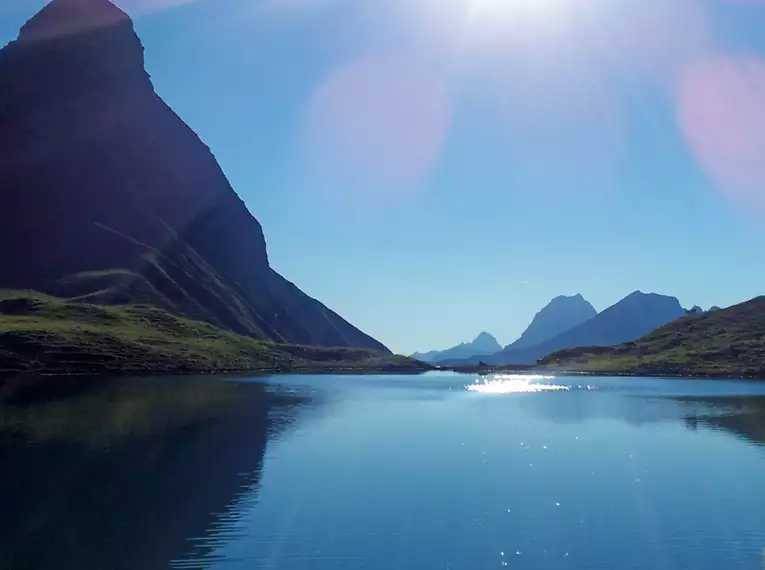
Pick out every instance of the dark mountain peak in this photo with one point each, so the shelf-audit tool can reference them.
(484, 337)
(74, 49)
(71, 17)
(111, 198)
(485, 343)
(560, 314)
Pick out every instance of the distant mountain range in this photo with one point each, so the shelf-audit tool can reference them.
(483, 344)
(631, 318)
(719, 342)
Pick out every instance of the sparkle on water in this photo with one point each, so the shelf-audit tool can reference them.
(514, 384)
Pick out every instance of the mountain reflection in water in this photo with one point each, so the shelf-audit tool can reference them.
(121, 473)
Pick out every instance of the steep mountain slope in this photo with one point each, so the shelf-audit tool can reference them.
(109, 197)
(725, 342)
(483, 344)
(634, 316)
(561, 314)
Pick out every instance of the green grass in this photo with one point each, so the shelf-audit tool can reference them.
(44, 334)
(730, 342)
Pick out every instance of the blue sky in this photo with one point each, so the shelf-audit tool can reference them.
(433, 168)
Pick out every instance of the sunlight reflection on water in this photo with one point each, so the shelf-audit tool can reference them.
(514, 384)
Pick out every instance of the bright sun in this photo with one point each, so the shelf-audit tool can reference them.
(538, 21)
(521, 9)
(497, 27)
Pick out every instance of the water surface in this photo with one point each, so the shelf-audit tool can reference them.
(336, 472)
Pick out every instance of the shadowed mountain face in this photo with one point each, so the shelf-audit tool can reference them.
(483, 344)
(109, 197)
(124, 474)
(561, 314)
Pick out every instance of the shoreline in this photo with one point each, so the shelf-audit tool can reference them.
(6, 375)
(623, 374)
(10, 374)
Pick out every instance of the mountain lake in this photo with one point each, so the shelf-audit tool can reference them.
(440, 472)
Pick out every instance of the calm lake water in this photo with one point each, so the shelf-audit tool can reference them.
(343, 472)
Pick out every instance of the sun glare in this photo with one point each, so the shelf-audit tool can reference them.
(535, 21)
(512, 8)
(520, 14)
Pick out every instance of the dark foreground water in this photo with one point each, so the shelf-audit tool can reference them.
(382, 473)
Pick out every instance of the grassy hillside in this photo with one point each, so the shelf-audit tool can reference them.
(41, 334)
(730, 342)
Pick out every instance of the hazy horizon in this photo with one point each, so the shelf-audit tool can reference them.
(433, 169)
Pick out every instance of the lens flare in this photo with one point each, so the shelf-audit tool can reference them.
(721, 110)
(379, 118)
